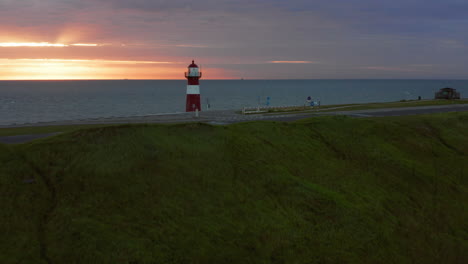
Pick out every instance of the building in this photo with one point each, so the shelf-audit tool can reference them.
(447, 93)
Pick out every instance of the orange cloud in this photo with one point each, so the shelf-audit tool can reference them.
(84, 45)
(43, 44)
(31, 44)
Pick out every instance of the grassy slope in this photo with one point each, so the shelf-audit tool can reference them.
(324, 190)
(402, 104)
(365, 106)
(14, 131)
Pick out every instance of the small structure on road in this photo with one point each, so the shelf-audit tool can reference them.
(447, 93)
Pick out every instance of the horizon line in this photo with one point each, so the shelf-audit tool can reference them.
(240, 79)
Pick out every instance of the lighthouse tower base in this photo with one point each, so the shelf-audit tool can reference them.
(193, 103)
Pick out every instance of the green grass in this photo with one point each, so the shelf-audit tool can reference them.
(403, 103)
(350, 107)
(323, 190)
(13, 131)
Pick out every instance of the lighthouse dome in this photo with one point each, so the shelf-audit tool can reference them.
(193, 65)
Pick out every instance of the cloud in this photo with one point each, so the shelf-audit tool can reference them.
(189, 46)
(43, 44)
(31, 44)
(391, 69)
(84, 45)
(291, 62)
(343, 35)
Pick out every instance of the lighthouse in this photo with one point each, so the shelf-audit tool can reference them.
(193, 88)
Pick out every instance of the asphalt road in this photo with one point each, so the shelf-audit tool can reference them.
(230, 117)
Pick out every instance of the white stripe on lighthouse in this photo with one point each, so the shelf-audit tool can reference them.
(193, 89)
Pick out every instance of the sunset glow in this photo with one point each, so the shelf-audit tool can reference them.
(44, 44)
(34, 61)
(84, 45)
(62, 69)
(38, 44)
(297, 39)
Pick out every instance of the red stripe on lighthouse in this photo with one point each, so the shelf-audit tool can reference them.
(193, 81)
(193, 103)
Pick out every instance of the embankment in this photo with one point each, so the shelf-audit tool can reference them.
(323, 190)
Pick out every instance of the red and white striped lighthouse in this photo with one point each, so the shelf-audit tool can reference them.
(193, 88)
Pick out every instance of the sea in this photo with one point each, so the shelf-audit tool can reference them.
(42, 101)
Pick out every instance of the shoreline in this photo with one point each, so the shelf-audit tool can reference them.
(236, 115)
(28, 132)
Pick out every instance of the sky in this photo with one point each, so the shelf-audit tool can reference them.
(233, 39)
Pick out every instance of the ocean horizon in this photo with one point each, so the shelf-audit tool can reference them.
(31, 101)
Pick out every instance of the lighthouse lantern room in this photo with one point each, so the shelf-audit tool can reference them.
(193, 88)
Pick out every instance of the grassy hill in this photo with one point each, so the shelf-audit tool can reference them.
(323, 190)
